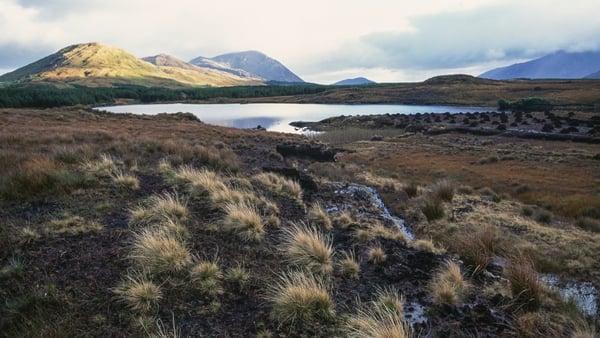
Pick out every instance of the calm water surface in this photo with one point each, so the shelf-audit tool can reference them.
(277, 116)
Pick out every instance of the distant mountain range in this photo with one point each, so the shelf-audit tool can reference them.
(559, 65)
(251, 62)
(97, 65)
(354, 82)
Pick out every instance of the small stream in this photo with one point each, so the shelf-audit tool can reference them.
(369, 194)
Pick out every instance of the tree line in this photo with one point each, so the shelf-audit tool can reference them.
(49, 96)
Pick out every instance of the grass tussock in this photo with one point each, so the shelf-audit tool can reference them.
(477, 246)
(103, 166)
(244, 220)
(448, 285)
(159, 252)
(526, 288)
(433, 209)
(306, 246)
(159, 208)
(300, 297)
(199, 182)
(139, 293)
(125, 181)
(427, 245)
(206, 277)
(382, 318)
(348, 266)
(280, 185)
(443, 190)
(317, 215)
(237, 276)
(376, 255)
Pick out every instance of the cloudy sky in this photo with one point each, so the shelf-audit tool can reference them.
(320, 40)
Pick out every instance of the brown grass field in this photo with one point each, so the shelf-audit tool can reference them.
(109, 228)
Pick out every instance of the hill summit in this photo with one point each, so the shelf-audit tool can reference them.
(252, 62)
(97, 64)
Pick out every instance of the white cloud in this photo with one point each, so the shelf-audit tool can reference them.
(391, 39)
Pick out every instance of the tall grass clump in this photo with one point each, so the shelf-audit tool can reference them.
(526, 288)
(199, 181)
(348, 266)
(443, 190)
(206, 277)
(433, 209)
(477, 246)
(448, 285)
(300, 297)
(159, 252)
(125, 181)
(382, 318)
(160, 207)
(317, 215)
(280, 185)
(306, 246)
(104, 166)
(244, 220)
(139, 293)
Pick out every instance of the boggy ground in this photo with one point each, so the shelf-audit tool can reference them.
(80, 190)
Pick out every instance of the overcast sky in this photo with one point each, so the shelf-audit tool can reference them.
(322, 41)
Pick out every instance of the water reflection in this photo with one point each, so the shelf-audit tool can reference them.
(277, 116)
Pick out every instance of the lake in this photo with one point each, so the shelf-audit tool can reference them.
(277, 116)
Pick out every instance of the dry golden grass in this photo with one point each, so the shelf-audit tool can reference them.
(244, 220)
(280, 185)
(495, 228)
(159, 208)
(379, 230)
(237, 275)
(477, 245)
(384, 318)
(139, 293)
(159, 252)
(308, 247)
(71, 224)
(348, 266)
(448, 285)
(376, 255)
(206, 277)
(317, 215)
(426, 245)
(104, 166)
(389, 299)
(527, 289)
(125, 181)
(299, 297)
(200, 181)
(443, 190)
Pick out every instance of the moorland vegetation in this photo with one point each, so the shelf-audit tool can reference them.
(123, 225)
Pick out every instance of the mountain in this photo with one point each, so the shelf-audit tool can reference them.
(354, 82)
(169, 61)
(559, 65)
(96, 64)
(210, 63)
(258, 64)
(595, 75)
